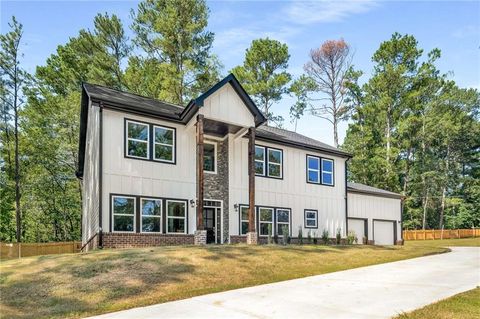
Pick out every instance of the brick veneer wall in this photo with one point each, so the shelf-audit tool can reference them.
(120, 240)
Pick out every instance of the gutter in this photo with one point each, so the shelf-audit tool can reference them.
(346, 197)
(100, 178)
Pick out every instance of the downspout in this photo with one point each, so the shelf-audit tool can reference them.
(100, 178)
(346, 199)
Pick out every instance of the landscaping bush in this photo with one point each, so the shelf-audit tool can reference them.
(300, 235)
(285, 236)
(315, 239)
(351, 237)
(339, 236)
(309, 236)
(325, 236)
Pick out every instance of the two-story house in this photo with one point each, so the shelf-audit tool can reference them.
(154, 173)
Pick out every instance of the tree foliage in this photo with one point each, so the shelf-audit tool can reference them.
(417, 133)
(264, 74)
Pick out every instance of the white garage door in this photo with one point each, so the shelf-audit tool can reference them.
(358, 226)
(383, 232)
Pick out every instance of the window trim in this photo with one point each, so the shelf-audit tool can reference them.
(127, 139)
(264, 222)
(321, 159)
(154, 216)
(267, 162)
(215, 155)
(289, 223)
(264, 161)
(173, 146)
(332, 172)
(305, 211)
(151, 144)
(245, 220)
(112, 215)
(167, 201)
(319, 170)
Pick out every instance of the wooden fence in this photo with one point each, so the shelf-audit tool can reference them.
(12, 250)
(440, 234)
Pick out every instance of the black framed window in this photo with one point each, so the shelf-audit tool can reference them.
(311, 218)
(210, 157)
(164, 144)
(244, 220)
(151, 215)
(327, 171)
(265, 216)
(151, 142)
(123, 213)
(320, 170)
(138, 140)
(268, 162)
(283, 221)
(260, 160)
(176, 217)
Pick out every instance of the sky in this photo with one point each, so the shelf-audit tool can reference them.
(451, 26)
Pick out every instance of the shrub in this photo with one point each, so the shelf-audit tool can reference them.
(338, 236)
(300, 235)
(309, 236)
(325, 236)
(286, 238)
(269, 234)
(351, 237)
(315, 239)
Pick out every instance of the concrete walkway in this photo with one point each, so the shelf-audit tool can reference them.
(379, 291)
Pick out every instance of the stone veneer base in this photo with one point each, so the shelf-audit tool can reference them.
(200, 237)
(252, 238)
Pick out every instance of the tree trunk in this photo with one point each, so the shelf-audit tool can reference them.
(425, 203)
(444, 190)
(18, 212)
(335, 131)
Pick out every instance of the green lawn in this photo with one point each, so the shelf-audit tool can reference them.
(462, 306)
(77, 285)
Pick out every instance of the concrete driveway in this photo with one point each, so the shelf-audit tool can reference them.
(379, 291)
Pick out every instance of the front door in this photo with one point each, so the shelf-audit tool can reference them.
(209, 222)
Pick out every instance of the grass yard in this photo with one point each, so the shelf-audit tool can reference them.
(462, 306)
(76, 285)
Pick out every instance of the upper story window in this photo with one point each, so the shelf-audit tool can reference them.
(138, 142)
(164, 144)
(320, 170)
(138, 139)
(210, 157)
(268, 162)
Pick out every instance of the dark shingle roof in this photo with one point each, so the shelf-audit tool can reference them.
(130, 100)
(361, 188)
(289, 137)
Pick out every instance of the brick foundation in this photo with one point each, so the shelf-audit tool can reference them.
(120, 240)
(235, 239)
(399, 242)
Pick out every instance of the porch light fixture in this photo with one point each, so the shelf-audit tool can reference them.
(235, 206)
(193, 203)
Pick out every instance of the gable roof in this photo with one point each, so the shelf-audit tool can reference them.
(141, 105)
(192, 107)
(365, 189)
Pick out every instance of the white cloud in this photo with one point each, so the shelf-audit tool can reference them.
(466, 32)
(312, 12)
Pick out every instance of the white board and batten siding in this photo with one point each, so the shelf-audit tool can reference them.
(129, 176)
(382, 213)
(226, 106)
(292, 191)
(90, 184)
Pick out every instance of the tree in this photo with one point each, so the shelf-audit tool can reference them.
(13, 78)
(328, 68)
(264, 74)
(177, 46)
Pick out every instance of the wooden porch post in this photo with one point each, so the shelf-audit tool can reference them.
(252, 234)
(200, 174)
